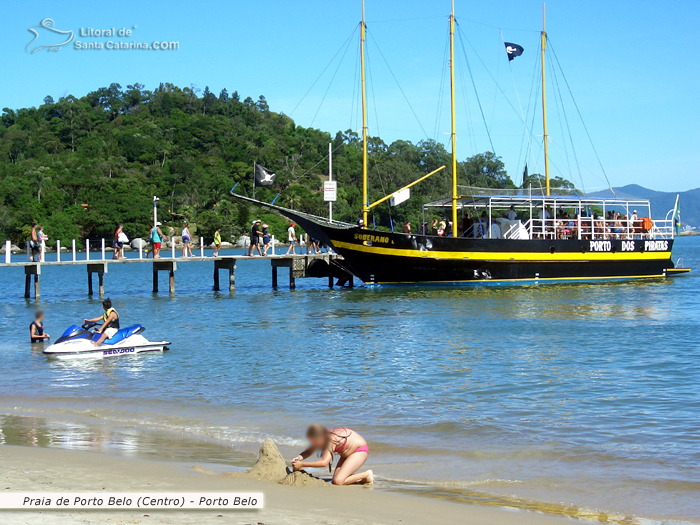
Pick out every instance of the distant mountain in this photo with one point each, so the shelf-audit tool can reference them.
(661, 201)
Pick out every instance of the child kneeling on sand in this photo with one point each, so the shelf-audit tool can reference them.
(348, 444)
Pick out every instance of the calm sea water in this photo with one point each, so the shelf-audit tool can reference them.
(576, 399)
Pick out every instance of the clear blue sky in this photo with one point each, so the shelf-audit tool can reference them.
(632, 66)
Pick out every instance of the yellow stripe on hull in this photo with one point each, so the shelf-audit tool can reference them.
(507, 256)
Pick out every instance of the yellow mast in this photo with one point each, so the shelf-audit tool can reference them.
(365, 207)
(544, 102)
(454, 125)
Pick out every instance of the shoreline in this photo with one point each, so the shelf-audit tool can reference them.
(30, 469)
(215, 460)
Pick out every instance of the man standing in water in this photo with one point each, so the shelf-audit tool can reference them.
(36, 329)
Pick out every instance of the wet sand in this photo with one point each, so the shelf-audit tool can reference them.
(25, 469)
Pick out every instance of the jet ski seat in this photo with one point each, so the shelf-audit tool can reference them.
(121, 334)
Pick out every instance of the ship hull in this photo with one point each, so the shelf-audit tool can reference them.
(383, 258)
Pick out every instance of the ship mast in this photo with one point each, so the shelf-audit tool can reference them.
(365, 201)
(544, 102)
(454, 125)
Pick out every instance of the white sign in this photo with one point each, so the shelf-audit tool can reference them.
(330, 190)
(157, 500)
(400, 196)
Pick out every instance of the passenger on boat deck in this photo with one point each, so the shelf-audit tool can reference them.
(348, 444)
(563, 226)
(617, 224)
(635, 223)
(464, 225)
(599, 226)
(512, 215)
(442, 228)
(407, 228)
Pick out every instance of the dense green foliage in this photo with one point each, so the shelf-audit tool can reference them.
(80, 166)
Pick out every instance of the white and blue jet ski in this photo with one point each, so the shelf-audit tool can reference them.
(76, 342)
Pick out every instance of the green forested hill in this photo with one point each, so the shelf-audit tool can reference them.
(79, 166)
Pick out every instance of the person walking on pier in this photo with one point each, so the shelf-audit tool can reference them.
(186, 238)
(292, 239)
(118, 244)
(34, 245)
(157, 237)
(36, 329)
(266, 238)
(255, 238)
(217, 242)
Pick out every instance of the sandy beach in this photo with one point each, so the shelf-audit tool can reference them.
(50, 470)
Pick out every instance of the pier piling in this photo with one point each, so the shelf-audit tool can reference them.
(100, 269)
(225, 264)
(164, 266)
(29, 270)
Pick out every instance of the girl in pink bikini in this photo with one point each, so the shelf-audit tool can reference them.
(348, 444)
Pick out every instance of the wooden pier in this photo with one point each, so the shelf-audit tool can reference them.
(300, 266)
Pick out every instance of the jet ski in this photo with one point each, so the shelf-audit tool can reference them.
(76, 342)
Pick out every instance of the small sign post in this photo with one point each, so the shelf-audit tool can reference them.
(330, 187)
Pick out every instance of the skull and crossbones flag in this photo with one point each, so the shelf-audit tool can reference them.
(263, 177)
(513, 50)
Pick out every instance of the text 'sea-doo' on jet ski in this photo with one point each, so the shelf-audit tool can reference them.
(76, 342)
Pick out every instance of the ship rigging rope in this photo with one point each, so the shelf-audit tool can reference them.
(340, 63)
(527, 131)
(461, 33)
(441, 90)
(355, 91)
(371, 87)
(471, 132)
(600, 163)
(343, 46)
(517, 96)
(476, 92)
(568, 128)
(399, 85)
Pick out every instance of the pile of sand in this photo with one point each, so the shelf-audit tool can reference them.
(303, 479)
(269, 467)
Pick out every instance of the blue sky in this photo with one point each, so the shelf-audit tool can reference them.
(632, 67)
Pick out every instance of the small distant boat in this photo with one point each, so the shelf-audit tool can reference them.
(552, 235)
(76, 342)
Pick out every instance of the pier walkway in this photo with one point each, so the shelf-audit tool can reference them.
(300, 266)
